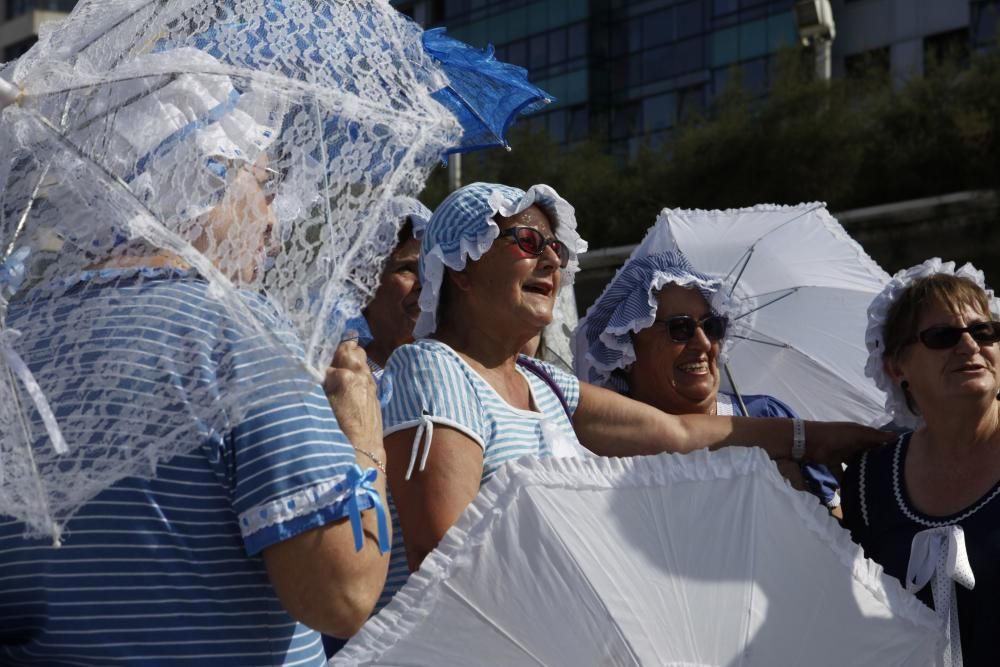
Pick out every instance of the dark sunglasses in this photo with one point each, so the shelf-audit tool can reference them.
(942, 338)
(681, 328)
(531, 241)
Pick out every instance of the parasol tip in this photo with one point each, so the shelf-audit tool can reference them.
(9, 93)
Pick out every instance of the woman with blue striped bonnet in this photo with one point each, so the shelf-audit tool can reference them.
(658, 334)
(492, 260)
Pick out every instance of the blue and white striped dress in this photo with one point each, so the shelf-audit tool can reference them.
(168, 570)
(395, 580)
(431, 382)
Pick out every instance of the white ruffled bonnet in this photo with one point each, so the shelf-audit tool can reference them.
(878, 311)
(463, 228)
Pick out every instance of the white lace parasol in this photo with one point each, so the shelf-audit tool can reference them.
(251, 146)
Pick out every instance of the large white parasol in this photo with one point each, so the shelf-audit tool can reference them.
(703, 559)
(796, 288)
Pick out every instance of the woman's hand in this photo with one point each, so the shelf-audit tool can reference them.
(832, 443)
(351, 390)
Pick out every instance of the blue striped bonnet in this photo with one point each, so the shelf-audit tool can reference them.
(628, 305)
(410, 208)
(463, 227)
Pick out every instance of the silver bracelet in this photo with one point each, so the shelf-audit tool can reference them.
(379, 463)
(798, 440)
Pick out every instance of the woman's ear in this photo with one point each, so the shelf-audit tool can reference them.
(892, 368)
(459, 279)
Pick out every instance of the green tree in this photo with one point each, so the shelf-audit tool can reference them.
(857, 141)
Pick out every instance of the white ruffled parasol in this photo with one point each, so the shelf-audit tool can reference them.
(703, 559)
(796, 288)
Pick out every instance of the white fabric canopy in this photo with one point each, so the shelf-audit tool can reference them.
(703, 559)
(796, 288)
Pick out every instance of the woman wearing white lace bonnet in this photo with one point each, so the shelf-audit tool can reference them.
(926, 506)
(491, 262)
(657, 334)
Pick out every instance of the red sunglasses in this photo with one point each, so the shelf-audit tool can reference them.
(531, 241)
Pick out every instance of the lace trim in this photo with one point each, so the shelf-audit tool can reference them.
(291, 507)
(897, 490)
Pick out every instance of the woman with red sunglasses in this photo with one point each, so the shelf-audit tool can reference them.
(652, 335)
(464, 401)
(927, 506)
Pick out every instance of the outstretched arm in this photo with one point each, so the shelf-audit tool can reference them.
(609, 424)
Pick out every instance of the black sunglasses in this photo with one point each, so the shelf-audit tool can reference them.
(942, 338)
(531, 241)
(681, 328)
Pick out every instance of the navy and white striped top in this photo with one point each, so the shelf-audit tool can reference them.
(167, 570)
(431, 382)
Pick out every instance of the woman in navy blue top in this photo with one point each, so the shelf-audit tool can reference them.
(926, 506)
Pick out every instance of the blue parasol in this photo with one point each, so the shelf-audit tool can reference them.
(484, 94)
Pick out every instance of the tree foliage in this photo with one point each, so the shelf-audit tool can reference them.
(851, 142)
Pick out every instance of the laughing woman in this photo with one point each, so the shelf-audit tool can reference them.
(653, 336)
(492, 260)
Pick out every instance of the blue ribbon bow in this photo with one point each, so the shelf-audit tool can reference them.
(360, 483)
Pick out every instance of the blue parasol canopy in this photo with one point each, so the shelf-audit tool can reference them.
(485, 94)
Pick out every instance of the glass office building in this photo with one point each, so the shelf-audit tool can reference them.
(20, 20)
(630, 70)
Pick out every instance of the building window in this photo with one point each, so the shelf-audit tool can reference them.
(576, 41)
(659, 112)
(690, 19)
(755, 76)
(625, 121)
(15, 51)
(690, 101)
(722, 7)
(946, 48)
(579, 124)
(15, 8)
(874, 63)
(985, 20)
(657, 28)
(538, 52)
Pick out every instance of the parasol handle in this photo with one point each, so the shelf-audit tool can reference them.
(9, 93)
(732, 383)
